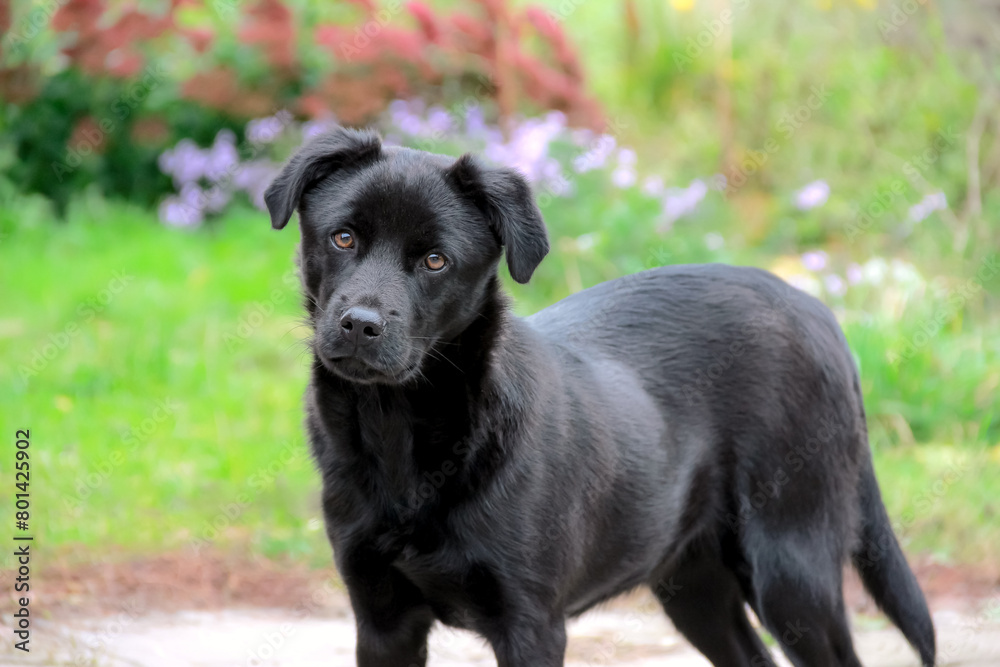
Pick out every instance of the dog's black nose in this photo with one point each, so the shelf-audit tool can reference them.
(361, 326)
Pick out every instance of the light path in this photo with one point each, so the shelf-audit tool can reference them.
(261, 638)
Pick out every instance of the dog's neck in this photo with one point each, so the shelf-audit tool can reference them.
(413, 432)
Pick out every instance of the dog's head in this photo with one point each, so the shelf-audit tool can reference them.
(399, 247)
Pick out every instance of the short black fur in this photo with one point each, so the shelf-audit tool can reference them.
(695, 429)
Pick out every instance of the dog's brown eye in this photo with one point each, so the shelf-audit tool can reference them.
(343, 239)
(434, 261)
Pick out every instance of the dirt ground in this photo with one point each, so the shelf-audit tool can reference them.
(216, 611)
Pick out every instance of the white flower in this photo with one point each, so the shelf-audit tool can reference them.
(652, 186)
(714, 241)
(623, 177)
(875, 270)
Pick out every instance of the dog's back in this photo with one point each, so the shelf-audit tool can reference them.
(765, 417)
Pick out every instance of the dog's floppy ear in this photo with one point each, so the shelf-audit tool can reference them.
(505, 199)
(337, 149)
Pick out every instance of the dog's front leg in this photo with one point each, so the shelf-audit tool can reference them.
(393, 620)
(528, 643)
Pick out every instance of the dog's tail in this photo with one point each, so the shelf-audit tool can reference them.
(885, 572)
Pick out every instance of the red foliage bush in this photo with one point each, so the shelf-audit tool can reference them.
(486, 47)
(378, 59)
(113, 49)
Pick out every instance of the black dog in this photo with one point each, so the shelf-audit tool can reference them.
(695, 429)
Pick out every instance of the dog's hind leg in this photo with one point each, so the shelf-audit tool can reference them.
(798, 593)
(704, 600)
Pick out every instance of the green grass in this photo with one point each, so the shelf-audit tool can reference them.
(161, 373)
(174, 399)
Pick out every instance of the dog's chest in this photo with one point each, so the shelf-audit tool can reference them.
(463, 594)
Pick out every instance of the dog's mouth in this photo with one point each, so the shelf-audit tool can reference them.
(358, 370)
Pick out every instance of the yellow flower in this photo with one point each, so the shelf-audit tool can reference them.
(682, 5)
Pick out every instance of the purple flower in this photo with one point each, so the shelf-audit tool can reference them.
(175, 212)
(314, 128)
(813, 195)
(263, 131)
(222, 157)
(597, 155)
(410, 124)
(626, 157)
(834, 284)
(185, 162)
(475, 123)
(814, 260)
(253, 178)
(930, 203)
(216, 198)
(438, 120)
(679, 202)
(398, 107)
(854, 274)
(528, 148)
